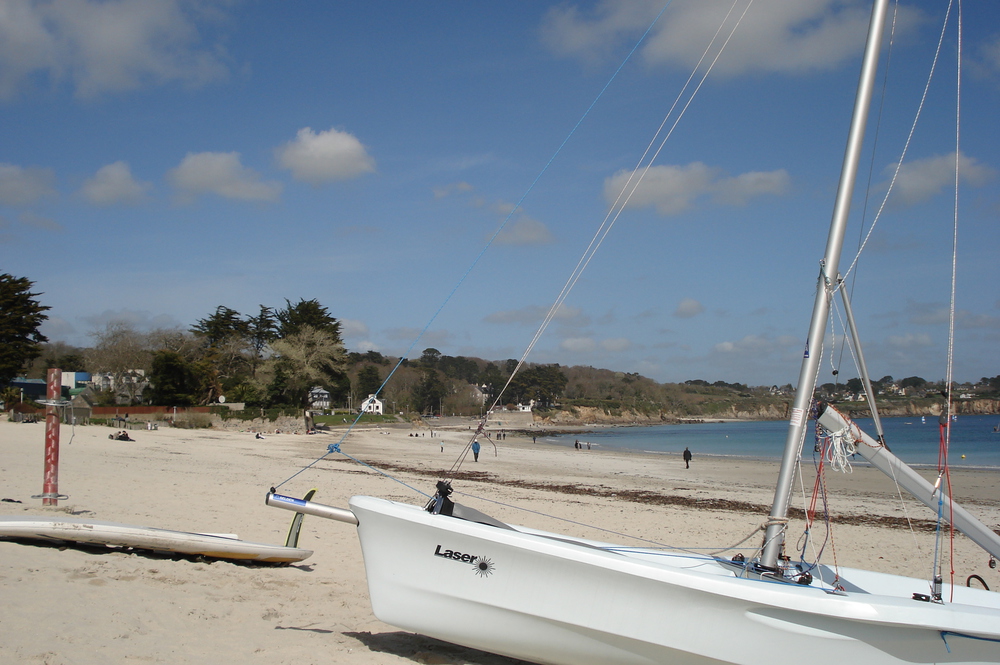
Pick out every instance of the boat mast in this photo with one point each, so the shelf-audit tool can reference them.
(828, 274)
(862, 365)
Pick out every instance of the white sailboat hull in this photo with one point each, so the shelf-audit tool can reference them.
(546, 599)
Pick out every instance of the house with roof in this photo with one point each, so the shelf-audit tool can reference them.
(319, 398)
(372, 405)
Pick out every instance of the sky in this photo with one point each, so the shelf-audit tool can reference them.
(439, 168)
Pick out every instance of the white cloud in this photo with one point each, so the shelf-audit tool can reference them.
(672, 189)
(431, 338)
(767, 358)
(909, 340)
(138, 319)
(578, 345)
(220, 173)
(925, 313)
(37, 221)
(352, 329)
(448, 190)
(533, 314)
(325, 157)
(756, 345)
(739, 190)
(105, 46)
(365, 346)
(921, 179)
(688, 308)
(939, 314)
(616, 345)
(524, 231)
(964, 320)
(568, 31)
(25, 186)
(113, 184)
(985, 62)
(56, 328)
(774, 35)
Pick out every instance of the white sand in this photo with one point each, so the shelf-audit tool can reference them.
(74, 605)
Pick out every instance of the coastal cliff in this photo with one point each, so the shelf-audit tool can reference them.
(967, 407)
(773, 410)
(584, 415)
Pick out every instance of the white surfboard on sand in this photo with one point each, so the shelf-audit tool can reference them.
(145, 538)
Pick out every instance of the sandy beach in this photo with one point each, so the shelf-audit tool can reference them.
(69, 605)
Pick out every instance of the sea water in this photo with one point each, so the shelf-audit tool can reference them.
(910, 439)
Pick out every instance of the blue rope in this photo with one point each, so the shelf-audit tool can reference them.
(946, 633)
(524, 196)
(335, 448)
(482, 252)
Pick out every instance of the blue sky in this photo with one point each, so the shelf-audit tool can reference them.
(159, 158)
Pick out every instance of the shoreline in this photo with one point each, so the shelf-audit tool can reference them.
(66, 604)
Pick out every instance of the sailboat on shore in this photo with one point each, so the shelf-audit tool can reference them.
(451, 572)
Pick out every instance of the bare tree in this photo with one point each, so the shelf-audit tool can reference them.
(123, 353)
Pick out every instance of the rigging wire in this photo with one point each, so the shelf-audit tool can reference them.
(605, 227)
(943, 466)
(490, 242)
(619, 534)
(906, 146)
(633, 181)
(944, 474)
(875, 141)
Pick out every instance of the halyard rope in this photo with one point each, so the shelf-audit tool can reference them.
(489, 243)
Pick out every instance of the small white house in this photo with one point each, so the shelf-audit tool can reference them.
(372, 405)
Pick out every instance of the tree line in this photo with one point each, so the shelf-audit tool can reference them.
(275, 356)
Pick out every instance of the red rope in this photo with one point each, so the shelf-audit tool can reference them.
(944, 471)
(818, 484)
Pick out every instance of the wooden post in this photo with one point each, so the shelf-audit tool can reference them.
(50, 484)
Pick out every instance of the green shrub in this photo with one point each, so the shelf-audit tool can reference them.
(252, 414)
(339, 419)
(193, 420)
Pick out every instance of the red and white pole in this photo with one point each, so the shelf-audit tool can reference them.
(50, 484)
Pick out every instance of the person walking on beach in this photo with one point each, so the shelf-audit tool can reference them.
(687, 458)
(475, 451)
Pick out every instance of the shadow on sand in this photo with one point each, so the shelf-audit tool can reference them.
(427, 650)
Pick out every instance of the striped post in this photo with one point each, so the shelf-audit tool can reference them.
(50, 483)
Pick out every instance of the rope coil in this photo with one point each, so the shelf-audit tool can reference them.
(843, 444)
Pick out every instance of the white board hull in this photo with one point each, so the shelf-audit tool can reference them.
(146, 538)
(529, 595)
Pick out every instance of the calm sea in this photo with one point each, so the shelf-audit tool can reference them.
(913, 441)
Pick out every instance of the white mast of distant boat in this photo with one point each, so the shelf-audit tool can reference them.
(826, 287)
